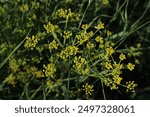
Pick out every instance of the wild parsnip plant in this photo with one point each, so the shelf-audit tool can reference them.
(64, 50)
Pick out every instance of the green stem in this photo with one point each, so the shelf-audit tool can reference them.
(8, 57)
(84, 14)
(55, 37)
(104, 95)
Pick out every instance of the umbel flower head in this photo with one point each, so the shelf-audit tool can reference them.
(130, 66)
(88, 89)
(49, 70)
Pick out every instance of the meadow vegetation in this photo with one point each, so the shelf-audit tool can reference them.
(74, 49)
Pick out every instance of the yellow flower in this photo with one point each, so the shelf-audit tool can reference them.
(67, 34)
(68, 51)
(88, 89)
(131, 86)
(53, 45)
(105, 2)
(61, 13)
(109, 33)
(24, 8)
(130, 66)
(108, 82)
(108, 66)
(122, 57)
(90, 45)
(11, 80)
(109, 51)
(85, 26)
(31, 42)
(70, 14)
(13, 65)
(137, 61)
(100, 25)
(118, 66)
(39, 74)
(50, 84)
(49, 70)
(79, 65)
(138, 45)
(85, 71)
(79, 62)
(83, 37)
(67, 14)
(99, 39)
(50, 27)
(117, 79)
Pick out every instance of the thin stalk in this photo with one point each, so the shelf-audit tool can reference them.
(104, 95)
(8, 57)
(55, 37)
(36, 91)
(84, 14)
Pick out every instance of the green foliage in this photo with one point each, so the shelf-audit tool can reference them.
(68, 49)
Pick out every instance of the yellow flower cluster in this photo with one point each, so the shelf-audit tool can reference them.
(113, 75)
(31, 42)
(117, 79)
(66, 14)
(88, 89)
(138, 45)
(3, 47)
(83, 37)
(67, 34)
(51, 84)
(11, 80)
(35, 72)
(105, 2)
(49, 70)
(100, 40)
(87, 53)
(79, 62)
(68, 51)
(39, 74)
(35, 5)
(107, 81)
(50, 27)
(109, 51)
(110, 83)
(109, 33)
(79, 65)
(90, 45)
(118, 66)
(131, 86)
(100, 25)
(13, 65)
(85, 26)
(53, 45)
(108, 65)
(122, 57)
(114, 79)
(130, 66)
(109, 44)
(24, 8)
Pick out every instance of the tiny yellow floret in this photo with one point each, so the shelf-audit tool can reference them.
(88, 89)
(100, 25)
(122, 57)
(130, 66)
